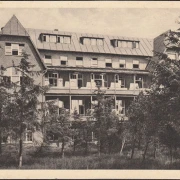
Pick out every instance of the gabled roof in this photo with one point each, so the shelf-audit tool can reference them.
(145, 49)
(159, 45)
(14, 27)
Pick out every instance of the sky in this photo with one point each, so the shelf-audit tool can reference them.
(131, 22)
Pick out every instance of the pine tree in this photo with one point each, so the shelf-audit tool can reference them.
(23, 109)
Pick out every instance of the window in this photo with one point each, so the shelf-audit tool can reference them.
(122, 63)
(44, 38)
(56, 38)
(98, 78)
(60, 39)
(73, 76)
(52, 38)
(135, 44)
(79, 61)
(47, 59)
(15, 75)
(21, 47)
(24, 80)
(99, 42)
(108, 63)
(126, 44)
(78, 105)
(53, 79)
(52, 136)
(94, 62)
(63, 60)
(93, 41)
(139, 81)
(119, 44)
(135, 64)
(28, 136)
(172, 56)
(6, 79)
(80, 80)
(67, 40)
(120, 80)
(87, 41)
(120, 107)
(14, 49)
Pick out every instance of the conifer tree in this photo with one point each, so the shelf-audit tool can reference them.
(23, 109)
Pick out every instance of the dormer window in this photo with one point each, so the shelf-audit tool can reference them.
(125, 43)
(92, 41)
(53, 38)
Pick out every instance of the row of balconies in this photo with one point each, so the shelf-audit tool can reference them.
(71, 88)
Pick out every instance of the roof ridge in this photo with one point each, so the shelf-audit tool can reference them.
(88, 33)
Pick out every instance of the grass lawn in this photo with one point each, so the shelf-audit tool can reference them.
(50, 158)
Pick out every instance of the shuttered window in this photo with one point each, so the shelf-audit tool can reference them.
(93, 41)
(122, 63)
(47, 59)
(63, 60)
(135, 64)
(14, 49)
(108, 62)
(79, 61)
(94, 62)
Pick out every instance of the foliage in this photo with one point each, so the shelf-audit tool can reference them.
(23, 108)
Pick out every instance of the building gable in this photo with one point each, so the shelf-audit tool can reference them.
(14, 33)
(14, 27)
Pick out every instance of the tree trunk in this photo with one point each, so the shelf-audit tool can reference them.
(122, 146)
(74, 146)
(154, 153)
(20, 147)
(171, 155)
(0, 132)
(145, 150)
(133, 148)
(139, 141)
(62, 149)
(0, 142)
(86, 147)
(99, 144)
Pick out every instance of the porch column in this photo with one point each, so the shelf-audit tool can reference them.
(91, 102)
(70, 110)
(134, 76)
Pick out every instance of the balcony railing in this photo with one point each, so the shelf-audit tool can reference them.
(84, 90)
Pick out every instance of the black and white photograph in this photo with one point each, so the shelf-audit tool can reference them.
(89, 88)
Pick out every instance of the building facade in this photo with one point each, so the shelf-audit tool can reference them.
(76, 62)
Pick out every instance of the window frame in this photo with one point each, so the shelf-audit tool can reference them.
(9, 49)
(122, 62)
(108, 62)
(50, 59)
(93, 62)
(136, 63)
(79, 59)
(54, 79)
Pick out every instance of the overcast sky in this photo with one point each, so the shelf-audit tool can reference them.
(147, 23)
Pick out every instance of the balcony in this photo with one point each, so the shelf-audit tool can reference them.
(89, 91)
